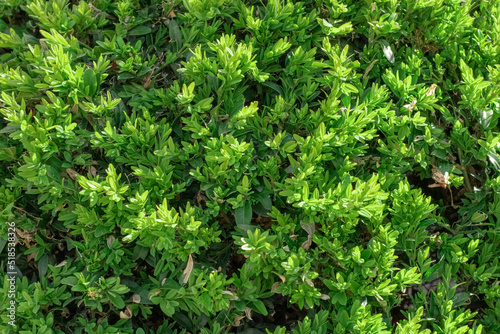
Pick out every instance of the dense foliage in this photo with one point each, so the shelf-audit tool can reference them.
(215, 166)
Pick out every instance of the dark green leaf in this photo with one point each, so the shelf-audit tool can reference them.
(139, 31)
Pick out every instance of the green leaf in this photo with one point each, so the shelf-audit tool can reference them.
(175, 32)
(116, 299)
(43, 265)
(344, 318)
(340, 297)
(71, 281)
(139, 31)
(183, 320)
(167, 308)
(90, 82)
(258, 305)
(277, 88)
(267, 203)
(3, 26)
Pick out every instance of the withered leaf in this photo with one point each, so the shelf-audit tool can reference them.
(189, 268)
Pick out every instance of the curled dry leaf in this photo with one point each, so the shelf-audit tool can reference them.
(411, 105)
(306, 244)
(441, 180)
(31, 256)
(136, 298)
(189, 268)
(72, 174)
(369, 68)
(65, 313)
(127, 314)
(248, 313)
(308, 281)
(92, 171)
(431, 90)
(237, 320)
(148, 82)
(325, 297)
(62, 264)
(275, 286)
(233, 297)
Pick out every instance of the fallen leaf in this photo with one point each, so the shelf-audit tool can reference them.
(189, 268)
(308, 281)
(306, 244)
(31, 256)
(237, 320)
(65, 313)
(136, 298)
(148, 82)
(369, 68)
(442, 181)
(310, 228)
(62, 264)
(110, 241)
(411, 105)
(431, 90)
(114, 66)
(92, 171)
(248, 313)
(72, 174)
(127, 314)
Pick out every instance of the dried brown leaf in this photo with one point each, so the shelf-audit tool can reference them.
(237, 320)
(306, 244)
(369, 68)
(72, 174)
(92, 171)
(431, 90)
(248, 313)
(442, 181)
(189, 268)
(136, 298)
(127, 314)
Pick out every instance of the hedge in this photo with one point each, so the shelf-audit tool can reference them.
(229, 166)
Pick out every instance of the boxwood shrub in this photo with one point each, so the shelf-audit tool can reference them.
(229, 166)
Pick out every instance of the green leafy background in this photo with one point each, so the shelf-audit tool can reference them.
(215, 166)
